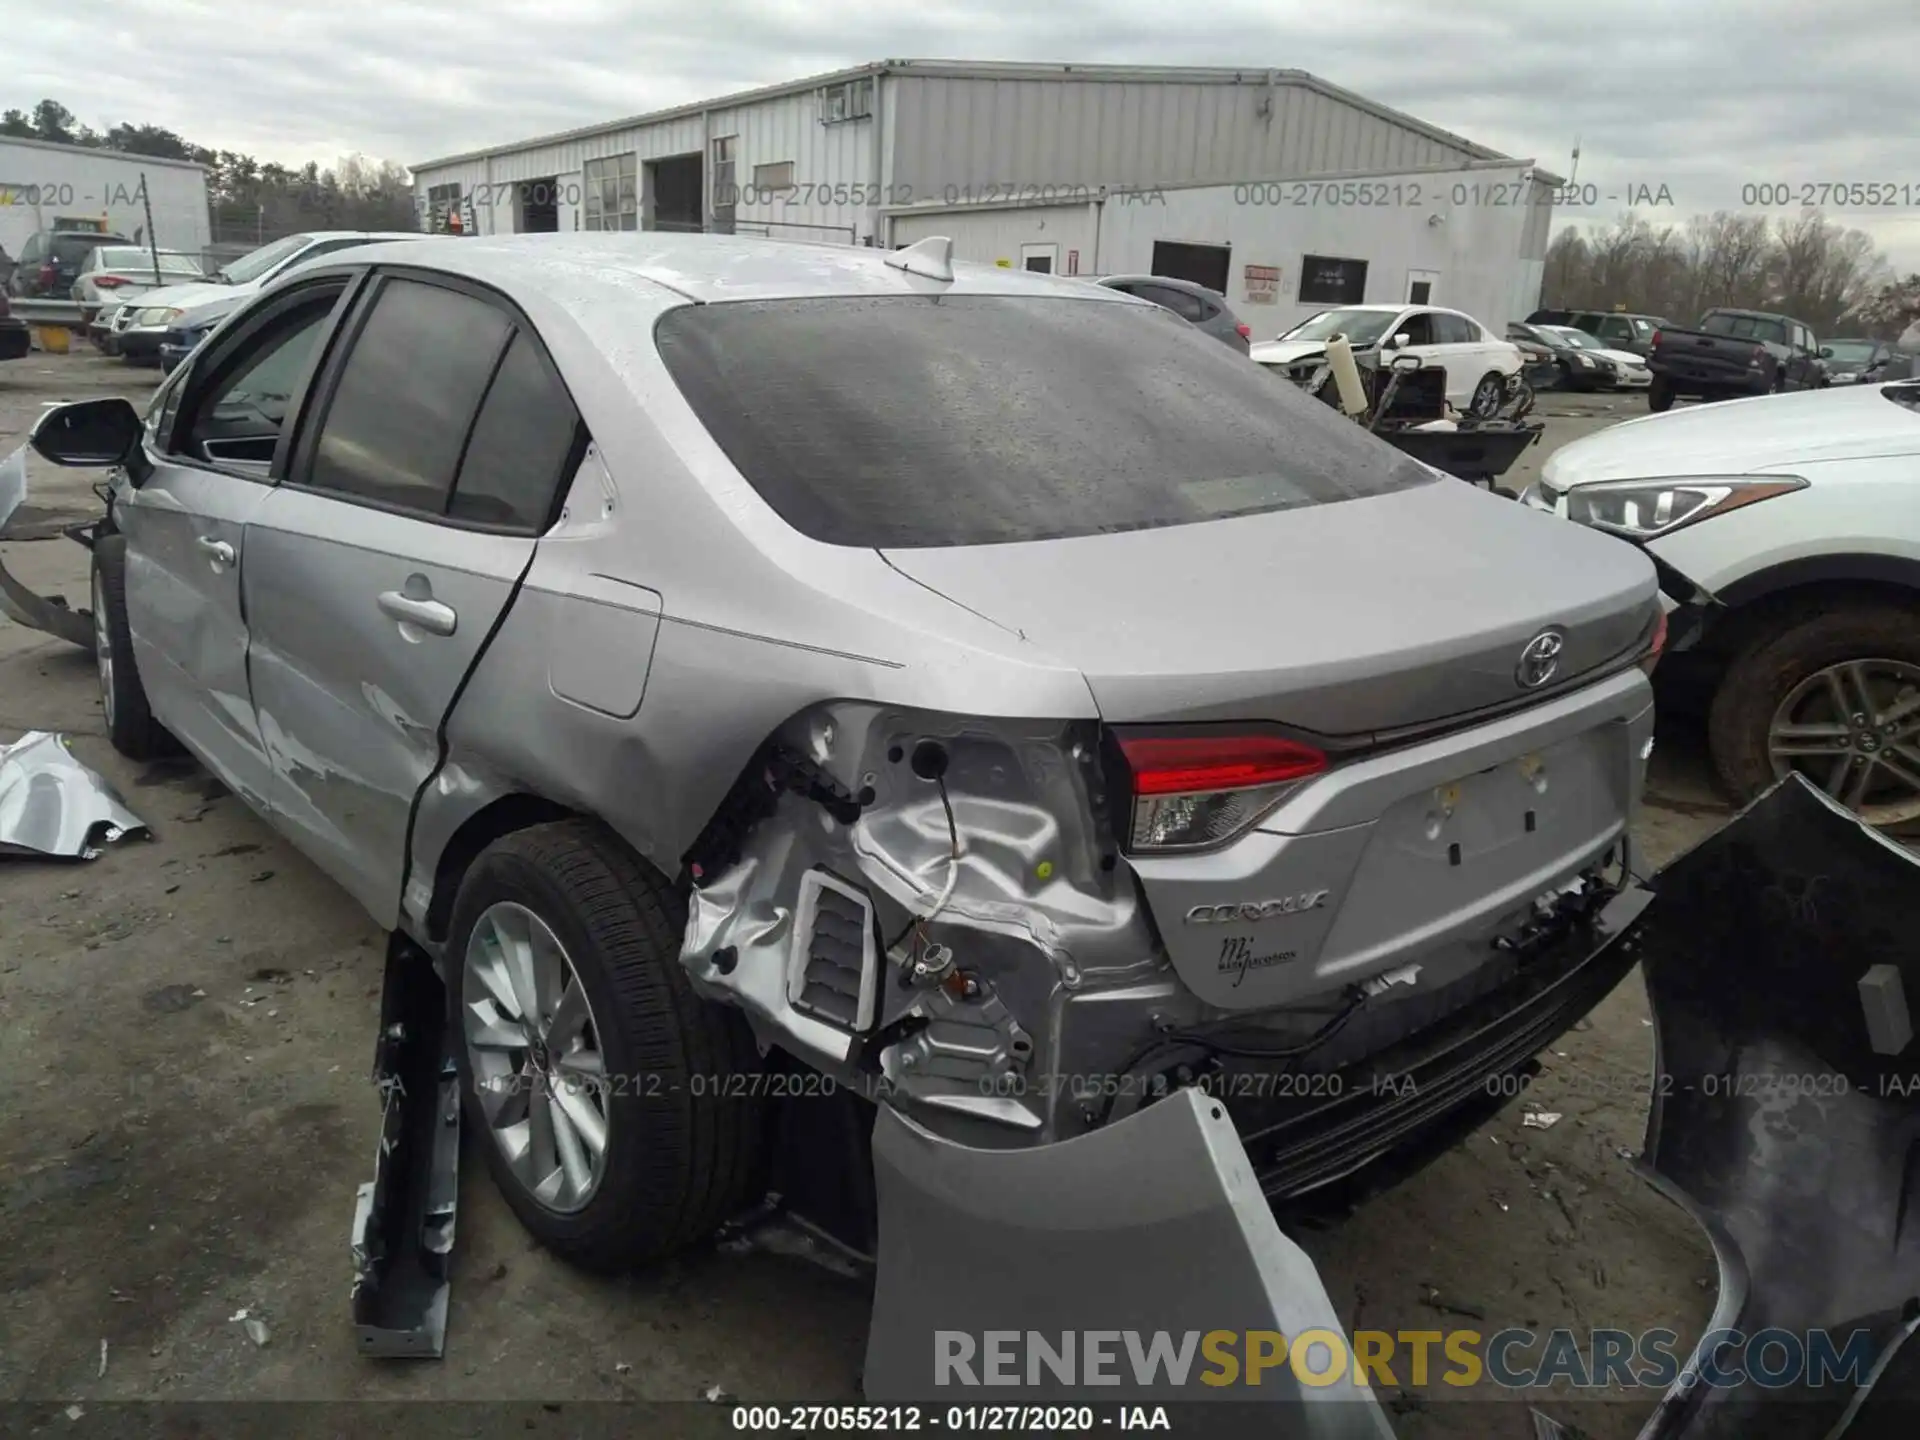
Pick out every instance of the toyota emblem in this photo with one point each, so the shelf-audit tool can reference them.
(1540, 660)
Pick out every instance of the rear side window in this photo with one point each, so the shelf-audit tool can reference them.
(906, 421)
(520, 445)
(1453, 330)
(407, 395)
(72, 249)
(1180, 302)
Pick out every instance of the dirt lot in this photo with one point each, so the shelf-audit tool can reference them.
(186, 1026)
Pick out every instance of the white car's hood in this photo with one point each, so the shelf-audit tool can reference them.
(185, 297)
(1766, 433)
(1285, 352)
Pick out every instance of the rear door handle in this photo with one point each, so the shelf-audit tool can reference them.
(429, 615)
(219, 551)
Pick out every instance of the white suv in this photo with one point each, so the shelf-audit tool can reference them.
(1799, 515)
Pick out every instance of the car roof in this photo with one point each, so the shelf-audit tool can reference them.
(708, 269)
(347, 234)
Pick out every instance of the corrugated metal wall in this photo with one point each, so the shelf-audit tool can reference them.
(950, 133)
(1065, 233)
(828, 160)
(1472, 255)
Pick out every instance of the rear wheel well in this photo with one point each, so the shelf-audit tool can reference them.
(495, 821)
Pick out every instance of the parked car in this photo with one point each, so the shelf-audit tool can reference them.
(193, 309)
(1477, 362)
(1800, 516)
(16, 339)
(120, 273)
(1538, 365)
(1575, 366)
(1626, 370)
(50, 261)
(1615, 329)
(1733, 353)
(1855, 362)
(688, 643)
(1195, 304)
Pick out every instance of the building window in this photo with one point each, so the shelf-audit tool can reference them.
(610, 193)
(726, 189)
(849, 100)
(1326, 280)
(443, 209)
(772, 179)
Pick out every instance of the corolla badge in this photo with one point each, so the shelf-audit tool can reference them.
(1540, 660)
(1257, 909)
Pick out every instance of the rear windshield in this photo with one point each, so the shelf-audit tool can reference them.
(69, 248)
(907, 421)
(1746, 327)
(128, 257)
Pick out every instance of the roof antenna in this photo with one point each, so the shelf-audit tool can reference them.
(931, 257)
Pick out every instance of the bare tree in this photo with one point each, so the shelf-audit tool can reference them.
(1809, 267)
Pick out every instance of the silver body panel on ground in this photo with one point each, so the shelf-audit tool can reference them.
(53, 806)
(1154, 1224)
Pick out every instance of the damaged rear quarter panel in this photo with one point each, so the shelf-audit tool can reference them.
(668, 590)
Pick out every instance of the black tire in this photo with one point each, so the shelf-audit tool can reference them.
(683, 1155)
(1659, 395)
(1505, 491)
(123, 699)
(1474, 405)
(1764, 671)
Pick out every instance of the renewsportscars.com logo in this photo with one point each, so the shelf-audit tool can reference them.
(1513, 1359)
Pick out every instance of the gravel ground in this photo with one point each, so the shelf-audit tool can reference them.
(185, 1030)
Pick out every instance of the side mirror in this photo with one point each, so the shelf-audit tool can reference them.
(1403, 338)
(88, 432)
(1826, 352)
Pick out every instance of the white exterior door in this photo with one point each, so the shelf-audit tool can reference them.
(1423, 287)
(1042, 258)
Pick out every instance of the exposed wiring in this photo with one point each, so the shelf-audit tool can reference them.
(953, 872)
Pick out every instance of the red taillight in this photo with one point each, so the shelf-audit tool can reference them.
(1192, 792)
(1657, 646)
(108, 282)
(49, 272)
(1654, 344)
(1190, 765)
(1246, 331)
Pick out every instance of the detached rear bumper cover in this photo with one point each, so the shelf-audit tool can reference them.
(1780, 961)
(1776, 1125)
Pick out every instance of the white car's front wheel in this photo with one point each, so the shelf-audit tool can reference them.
(1835, 697)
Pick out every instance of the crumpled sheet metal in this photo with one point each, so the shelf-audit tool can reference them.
(1775, 1123)
(52, 806)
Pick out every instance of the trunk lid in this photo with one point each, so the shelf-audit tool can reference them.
(1344, 619)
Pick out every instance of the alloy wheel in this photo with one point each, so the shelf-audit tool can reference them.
(1853, 729)
(1486, 398)
(533, 1050)
(103, 648)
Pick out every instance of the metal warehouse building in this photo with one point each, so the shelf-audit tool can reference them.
(1287, 193)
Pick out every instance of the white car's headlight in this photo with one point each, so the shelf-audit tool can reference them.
(160, 315)
(1641, 509)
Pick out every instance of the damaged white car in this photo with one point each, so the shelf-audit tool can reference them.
(940, 744)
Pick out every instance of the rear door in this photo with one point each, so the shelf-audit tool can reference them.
(212, 447)
(379, 570)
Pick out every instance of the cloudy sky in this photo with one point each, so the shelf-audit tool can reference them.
(1705, 97)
